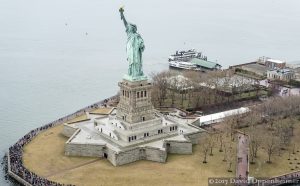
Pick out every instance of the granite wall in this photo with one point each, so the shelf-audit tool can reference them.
(179, 147)
(155, 154)
(89, 150)
(127, 156)
(140, 153)
(68, 130)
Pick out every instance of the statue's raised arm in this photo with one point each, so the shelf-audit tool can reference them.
(121, 10)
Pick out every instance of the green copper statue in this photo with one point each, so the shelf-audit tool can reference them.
(134, 48)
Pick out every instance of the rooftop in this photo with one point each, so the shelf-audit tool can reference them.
(206, 64)
(88, 135)
(256, 68)
(275, 61)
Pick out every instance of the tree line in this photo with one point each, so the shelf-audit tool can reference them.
(194, 90)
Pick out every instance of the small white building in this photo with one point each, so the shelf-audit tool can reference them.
(275, 63)
(280, 74)
(219, 117)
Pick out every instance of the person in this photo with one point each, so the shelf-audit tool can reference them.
(134, 48)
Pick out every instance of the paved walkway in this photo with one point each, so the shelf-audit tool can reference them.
(242, 168)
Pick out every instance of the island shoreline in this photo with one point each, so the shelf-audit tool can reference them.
(30, 135)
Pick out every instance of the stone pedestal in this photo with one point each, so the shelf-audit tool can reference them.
(135, 101)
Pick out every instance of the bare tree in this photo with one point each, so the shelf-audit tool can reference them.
(204, 142)
(196, 99)
(190, 92)
(283, 131)
(231, 123)
(291, 123)
(160, 86)
(294, 148)
(230, 159)
(279, 108)
(255, 142)
(270, 144)
(173, 89)
(221, 141)
(289, 151)
(193, 83)
(215, 81)
(225, 153)
(211, 143)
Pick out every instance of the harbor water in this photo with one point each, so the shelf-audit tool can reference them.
(59, 56)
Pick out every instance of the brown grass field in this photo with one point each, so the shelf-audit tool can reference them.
(77, 119)
(102, 111)
(45, 156)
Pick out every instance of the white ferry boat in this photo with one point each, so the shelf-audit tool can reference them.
(192, 60)
(186, 55)
(182, 65)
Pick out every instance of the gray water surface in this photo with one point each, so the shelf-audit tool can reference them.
(57, 56)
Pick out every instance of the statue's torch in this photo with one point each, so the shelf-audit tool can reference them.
(121, 10)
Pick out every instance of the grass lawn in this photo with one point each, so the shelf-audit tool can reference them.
(45, 153)
(102, 111)
(79, 118)
(45, 156)
(280, 164)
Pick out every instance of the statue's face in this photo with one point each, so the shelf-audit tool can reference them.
(132, 28)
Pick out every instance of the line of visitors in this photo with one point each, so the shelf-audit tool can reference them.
(16, 151)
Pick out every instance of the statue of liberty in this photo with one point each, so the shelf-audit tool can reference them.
(134, 48)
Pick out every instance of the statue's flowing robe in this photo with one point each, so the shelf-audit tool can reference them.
(135, 47)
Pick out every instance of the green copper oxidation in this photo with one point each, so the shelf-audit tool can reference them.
(134, 48)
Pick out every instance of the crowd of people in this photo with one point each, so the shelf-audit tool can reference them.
(16, 164)
(16, 151)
